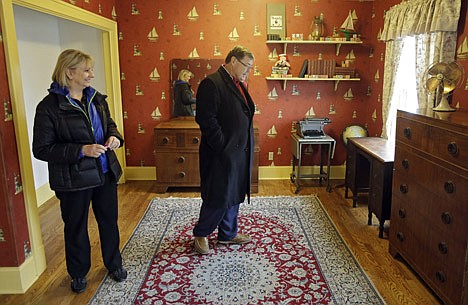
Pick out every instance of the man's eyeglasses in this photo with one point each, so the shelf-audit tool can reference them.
(248, 67)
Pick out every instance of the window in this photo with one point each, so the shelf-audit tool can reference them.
(405, 95)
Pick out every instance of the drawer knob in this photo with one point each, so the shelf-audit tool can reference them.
(182, 174)
(165, 140)
(407, 132)
(402, 213)
(443, 248)
(405, 163)
(403, 188)
(452, 148)
(195, 140)
(400, 236)
(449, 187)
(181, 159)
(440, 276)
(446, 218)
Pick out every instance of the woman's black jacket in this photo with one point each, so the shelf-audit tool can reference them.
(60, 131)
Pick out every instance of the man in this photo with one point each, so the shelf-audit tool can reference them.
(225, 114)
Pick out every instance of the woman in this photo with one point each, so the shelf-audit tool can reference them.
(183, 95)
(74, 133)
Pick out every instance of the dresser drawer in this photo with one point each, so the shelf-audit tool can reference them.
(177, 168)
(192, 139)
(436, 178)
(441, 143)
(446, 280)
(415, 134)
(415, 240)
(165, 139)
(452, 147)
(448, 251)
(180, 139)
(409, 234)
(445, 216)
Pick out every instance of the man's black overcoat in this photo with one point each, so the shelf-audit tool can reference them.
(227, 141)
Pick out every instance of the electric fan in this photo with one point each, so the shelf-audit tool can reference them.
(440, 81)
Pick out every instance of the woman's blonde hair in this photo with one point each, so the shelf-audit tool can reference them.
(68, 60)
(184, 73)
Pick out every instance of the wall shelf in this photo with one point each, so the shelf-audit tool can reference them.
(329, 42)
(335, 79)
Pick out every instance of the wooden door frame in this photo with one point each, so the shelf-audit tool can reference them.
(19, 279)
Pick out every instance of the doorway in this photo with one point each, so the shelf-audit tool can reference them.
(60, 25)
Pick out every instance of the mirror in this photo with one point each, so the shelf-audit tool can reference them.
(200, 67)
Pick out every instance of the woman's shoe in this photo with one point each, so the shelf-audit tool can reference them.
(78, 284)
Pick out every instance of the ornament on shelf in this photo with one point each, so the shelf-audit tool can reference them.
(317, 28)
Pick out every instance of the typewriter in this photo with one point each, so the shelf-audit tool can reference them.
(311, 127)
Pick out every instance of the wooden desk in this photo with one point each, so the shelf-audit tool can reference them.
(296, 148)
(369, 168)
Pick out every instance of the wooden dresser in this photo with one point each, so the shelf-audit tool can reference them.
(429, 218)
(176, 145)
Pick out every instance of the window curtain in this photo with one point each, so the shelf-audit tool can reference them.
(434, 25)
(432, 48)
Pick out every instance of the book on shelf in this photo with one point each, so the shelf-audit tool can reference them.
(304, 69)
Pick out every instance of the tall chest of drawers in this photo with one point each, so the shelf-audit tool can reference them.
(176, 145)
(429, 217)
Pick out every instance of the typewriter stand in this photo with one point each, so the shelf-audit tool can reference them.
(297, 144)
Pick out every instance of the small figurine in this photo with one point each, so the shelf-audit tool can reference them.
(282, 61)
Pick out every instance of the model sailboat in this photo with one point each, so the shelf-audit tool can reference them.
(347, 28)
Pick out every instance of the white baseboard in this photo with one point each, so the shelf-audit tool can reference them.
(16, 280)
(43, 194)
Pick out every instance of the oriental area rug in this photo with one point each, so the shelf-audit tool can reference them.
(296, 257)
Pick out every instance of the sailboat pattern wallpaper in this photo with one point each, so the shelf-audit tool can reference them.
(152, 33)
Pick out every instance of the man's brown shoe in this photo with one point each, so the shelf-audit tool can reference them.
(239, 239)
(201, 245)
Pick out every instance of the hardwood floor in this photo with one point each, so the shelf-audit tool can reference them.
(392, 277)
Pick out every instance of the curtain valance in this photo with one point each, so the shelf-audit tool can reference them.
(415, 17)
